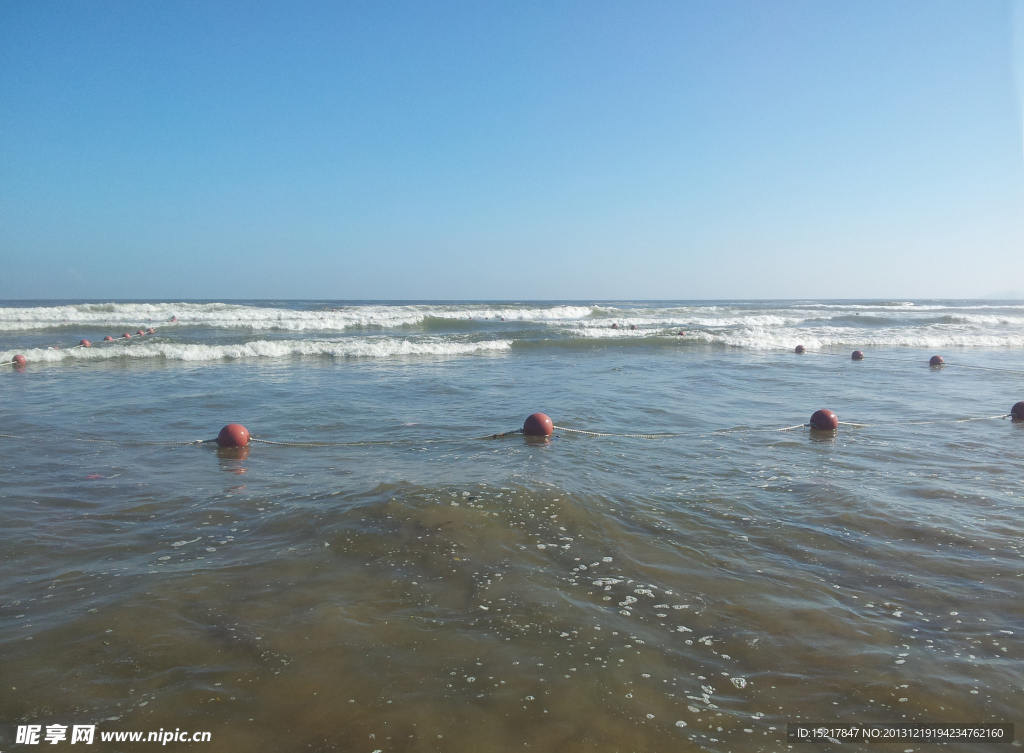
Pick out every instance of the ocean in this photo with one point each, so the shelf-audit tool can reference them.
(383, 573)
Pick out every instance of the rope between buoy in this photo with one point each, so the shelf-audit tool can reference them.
(607, 434)
(956, 420)
(358, 444)
(320, 444)
(503, 434)
(915, 361)
(142, 441)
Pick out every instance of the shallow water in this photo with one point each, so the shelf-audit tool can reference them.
(421, 588)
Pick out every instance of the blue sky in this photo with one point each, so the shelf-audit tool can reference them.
(477, 150)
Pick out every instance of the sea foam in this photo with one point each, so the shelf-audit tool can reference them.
(380, 347)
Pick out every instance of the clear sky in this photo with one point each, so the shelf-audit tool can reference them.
(526, 150)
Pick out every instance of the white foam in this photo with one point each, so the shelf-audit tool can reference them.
(228, 315)
(355, 347)
(756, 326)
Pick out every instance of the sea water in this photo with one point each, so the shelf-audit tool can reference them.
(392, 578)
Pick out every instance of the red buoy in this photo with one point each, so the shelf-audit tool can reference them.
(150, 331)
(126, 336)
(20, 360)
(858, 355)
(107, 338)
(85, 343)
(1017, 411)
(538, 425)
(935, 361)
(233, 435)
(141, 332)
(824, 420)
(798, 349)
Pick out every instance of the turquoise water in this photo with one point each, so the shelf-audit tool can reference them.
(413, 586)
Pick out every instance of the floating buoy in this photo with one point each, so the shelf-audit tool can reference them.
(824, 420)
(126, 336)
(150, 331)
(935, 361)
(798, 349)
(85, 343)
(233, 435)
(108, 338)
(615, 325)
(538, 425)
(140, 332)
(20, 360)
(858, 355)
(1017, 411)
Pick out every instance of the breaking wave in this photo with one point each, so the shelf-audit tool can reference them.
(382, 347)
(237, 316)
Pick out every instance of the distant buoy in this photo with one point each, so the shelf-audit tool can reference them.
(615, 325)
(108, 338)
(538, 425)
(798, 349)
(233, 435)
(141, 332)
(858, 355)
(126, 336)
(1017, 411)
(824, 420)
(85, 343)
(633, 326)
(935, 361)
(20, 360)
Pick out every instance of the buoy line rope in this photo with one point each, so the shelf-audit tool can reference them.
(503, 434)
(982, 368)
(365, 442)
(868, 357)
(608, 434)
(517, 432)
(956, 420)
(130, 442)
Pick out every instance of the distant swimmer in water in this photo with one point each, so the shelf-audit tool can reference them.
(615, 325)
(633, 326)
